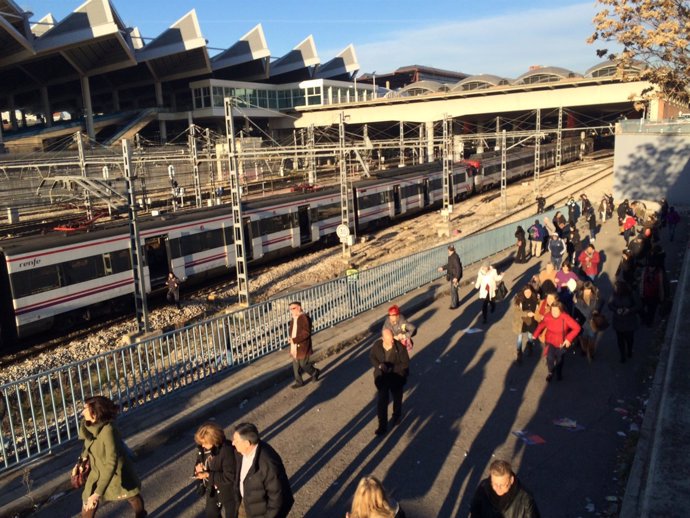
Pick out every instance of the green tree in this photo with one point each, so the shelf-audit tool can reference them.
(654, 32)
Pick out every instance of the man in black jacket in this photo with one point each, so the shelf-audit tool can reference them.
(391, 366)
(264, 485)
(453, 273)
(502, 496)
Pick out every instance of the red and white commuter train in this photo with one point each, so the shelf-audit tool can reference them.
(56, 279)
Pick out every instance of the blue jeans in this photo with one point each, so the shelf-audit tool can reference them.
(519, 339)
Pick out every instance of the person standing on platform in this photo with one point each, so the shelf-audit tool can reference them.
(622, 211)
(263, 483)
(628, 227)
(625, 308)
(536, 238)
(561, 329)
(589, 261)
(402, 330)
(487, 281)
(651, 292)
(564, 275)
(592, 223)
(521, 243)
(502, 495)
(300, 345)
(557, 250)
(541, 204)
(573, 212)
(372, 501)
(173, 284)
(524, 307)
(218, 470)
(112, 476)
(585, 204)
(391, 367)
(453, 274)
(587, 304)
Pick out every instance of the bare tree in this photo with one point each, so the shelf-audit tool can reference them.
(654, 32)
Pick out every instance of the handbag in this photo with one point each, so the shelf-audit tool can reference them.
(599, 322)
(501, 291)
(80, 472)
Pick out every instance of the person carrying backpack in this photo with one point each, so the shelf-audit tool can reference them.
(535, 238)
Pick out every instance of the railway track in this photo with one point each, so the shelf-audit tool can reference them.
(47, 342)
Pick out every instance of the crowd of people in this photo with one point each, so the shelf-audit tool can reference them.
(560, 307)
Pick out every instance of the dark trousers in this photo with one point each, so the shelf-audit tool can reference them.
(216, 509)
(625, 343)
(521, 256)
(136, 502)
(389, 384)
(303, 365)
(488, 301)
(174, 298)
(649, 306)
(454, 299)
(554, 360)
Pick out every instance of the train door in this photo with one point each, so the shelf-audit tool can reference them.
(304, 224)
(157, 259)
(397, 207)
(248, 239)
(425, 193)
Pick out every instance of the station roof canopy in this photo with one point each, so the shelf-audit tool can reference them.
(609, 68)
(343, 67)
(479, 82)
(298, 64)
(178, 52)
(545, 75)
(248, 58)
(423, 87)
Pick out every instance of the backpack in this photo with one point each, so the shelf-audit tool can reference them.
(534, 233)
(650, 284)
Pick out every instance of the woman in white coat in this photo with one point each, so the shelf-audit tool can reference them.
(487, 280)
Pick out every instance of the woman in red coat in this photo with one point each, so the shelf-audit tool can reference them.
(561, 329)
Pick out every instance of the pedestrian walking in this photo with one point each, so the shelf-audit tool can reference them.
(173, 284)
(216, 469)
(587, 306)
(112, 475)
(263, 484)
(541, 204)
(536, 238)
(521, 244)
(453, 274)
(626, 267)
(585, 204)
(560, 330)
(391, 367)
(549, 229)
(603, 208)
(651, 292)
(592, 224)
(299, 330)
(548, 274)
(560, 224)
(564, 275)
(622, 211)
(557, 250)
(487, 282)
(402, 330)
(502, 495)
(372, 501)
(628, 227)
(524, 307)
(589, 261)
(573, 246)
(573, 211)
(672, 219)
(624, 307)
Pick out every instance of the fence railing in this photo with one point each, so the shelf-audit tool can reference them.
(39, 412)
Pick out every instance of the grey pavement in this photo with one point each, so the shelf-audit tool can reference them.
(465, 397)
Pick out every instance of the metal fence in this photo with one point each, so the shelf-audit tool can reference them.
(42, 411)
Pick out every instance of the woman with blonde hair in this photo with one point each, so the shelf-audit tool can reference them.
(371, 501)
(216, 468)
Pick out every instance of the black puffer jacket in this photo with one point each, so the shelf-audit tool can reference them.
(517, 503)
(267, 492)
(222, 469)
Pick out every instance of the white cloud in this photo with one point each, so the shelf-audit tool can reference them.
(504, 45)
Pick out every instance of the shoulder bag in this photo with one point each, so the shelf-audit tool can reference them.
(80, 472)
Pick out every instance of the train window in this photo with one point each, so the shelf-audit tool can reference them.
(191, 244)
(229, 239)
(213, 239)
(120, 261)
(175, 251)
(34, 281)
(82, 270)
(369, 201)
(328, 211)
(274, 224)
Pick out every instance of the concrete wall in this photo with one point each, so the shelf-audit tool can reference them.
(650, 166)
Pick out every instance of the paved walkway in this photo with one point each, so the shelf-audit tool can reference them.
(465, 398)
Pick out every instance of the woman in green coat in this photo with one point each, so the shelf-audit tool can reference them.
(112, 475)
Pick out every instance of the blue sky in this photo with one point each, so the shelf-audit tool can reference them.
(492, 36)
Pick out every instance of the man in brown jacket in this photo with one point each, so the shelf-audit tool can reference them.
(300, 344)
